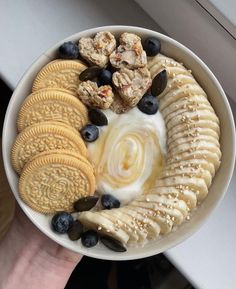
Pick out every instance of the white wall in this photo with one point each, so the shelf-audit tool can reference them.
(189, 23)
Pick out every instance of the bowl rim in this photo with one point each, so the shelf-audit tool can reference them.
(114, 28)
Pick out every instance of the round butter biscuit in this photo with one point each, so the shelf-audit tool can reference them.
(42, 137)
(65, 152)
(52, 183)
(52, 105)
(59, 74)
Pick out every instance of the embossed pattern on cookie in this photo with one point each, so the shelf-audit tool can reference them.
(50, 104)
(43, 137)
(59, 74)
(67, 152)
(52, 183)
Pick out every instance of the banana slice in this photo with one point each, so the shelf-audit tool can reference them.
(188, 149)
(200, 154)
(198, 114)
(171, 72)
(182, 92)
(192, 117)
(176, 82)
(187, 127)
(164, 223)
(179, 80)
(181, 193)
(188, 109)
(174, 71)
(161, 58)
(191, 172)
(194, 101)
(142, 221)
(170, 213)
(191, 139)
(168, 202)
(133, 238)
(198, 145)
(136, 236)
(96, 221)
(196, 184)
(194, 163)
(196, 133)
(160, 62)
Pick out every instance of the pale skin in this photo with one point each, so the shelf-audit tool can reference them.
(30, 260)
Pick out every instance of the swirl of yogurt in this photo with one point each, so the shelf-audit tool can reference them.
(129, 154)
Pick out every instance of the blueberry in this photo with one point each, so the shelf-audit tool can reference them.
(89, 132)
(109, 202)
(148, 104)
(152, 46)
(75, 231)
(61, 222)
(69, 50)
(97, 117)
(89, 238)
(105, 77)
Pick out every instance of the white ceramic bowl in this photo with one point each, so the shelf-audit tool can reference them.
(221, 181)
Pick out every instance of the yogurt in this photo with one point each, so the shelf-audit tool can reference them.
(129, 154)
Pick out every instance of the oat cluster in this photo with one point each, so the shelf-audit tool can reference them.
(131, 78)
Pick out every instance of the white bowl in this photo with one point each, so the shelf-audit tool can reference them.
(221, 181)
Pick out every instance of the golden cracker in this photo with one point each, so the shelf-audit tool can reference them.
(52, 183)
(52, 105)
(42, 137)
(59, 74)
(64, 152)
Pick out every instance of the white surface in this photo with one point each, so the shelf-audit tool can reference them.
(224, 11)
(208, 258)
(187, 22)
(216, 96)
(29, 27)
(227, 7)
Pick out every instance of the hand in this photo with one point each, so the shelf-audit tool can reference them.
(30, 260)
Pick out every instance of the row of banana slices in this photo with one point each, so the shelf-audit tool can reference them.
(192, 160)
